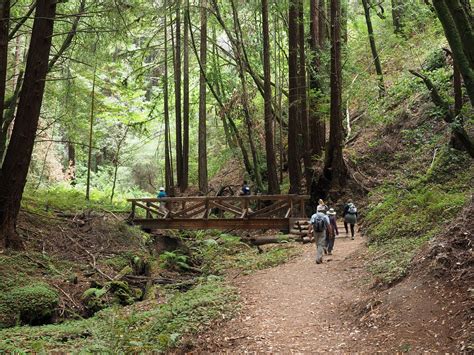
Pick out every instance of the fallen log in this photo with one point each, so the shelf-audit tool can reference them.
(272, 239)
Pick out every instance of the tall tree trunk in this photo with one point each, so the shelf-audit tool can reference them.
(202, 146)
(184, 183)
(4, 28)
(344, 19)
(240, 56)
(273, 186)
(17, 159)
(397, 16)
(317, 125)
(91, 132)
(238, 136)
(373, 48)
(168, 168)
(464, 27)
(302, 95)
(335, 170)
(456, 44)
(177, 96)
(294, 168)
(71, 157)
(323, 23)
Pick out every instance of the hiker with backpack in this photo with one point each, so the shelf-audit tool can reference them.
(319, 223)
(332, 230)
(350, 217)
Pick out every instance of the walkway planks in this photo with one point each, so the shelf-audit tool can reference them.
(220, 212)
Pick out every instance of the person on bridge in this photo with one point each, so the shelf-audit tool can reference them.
(162, 194)
(245, 189)
(332, 230)
(350, 217)
(318, 225)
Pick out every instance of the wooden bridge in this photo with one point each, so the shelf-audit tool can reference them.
(283, 212)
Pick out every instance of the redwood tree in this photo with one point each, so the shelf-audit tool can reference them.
(202, 144)
(18, 156)
(184, 182)
(335, 169)
(373, 48)
(302, 98)
(177, 96)
(317, 125)
(294, 166)
(273, 187)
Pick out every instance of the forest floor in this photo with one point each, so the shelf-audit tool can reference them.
(304, 307)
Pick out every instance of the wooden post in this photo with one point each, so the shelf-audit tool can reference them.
(148, 213)
(291, 206)
(206, 213)
(132, 214)
(302, 213)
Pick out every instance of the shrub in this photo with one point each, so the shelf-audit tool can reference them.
(31, 305)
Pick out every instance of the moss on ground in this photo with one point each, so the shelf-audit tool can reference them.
(404, 215)
(149, 327)
(33, 304)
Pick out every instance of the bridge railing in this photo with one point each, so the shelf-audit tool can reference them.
(219, 207)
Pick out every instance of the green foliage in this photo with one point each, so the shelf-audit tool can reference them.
(155, 327)
(174, 260)
(65, 198)
(401, 219)
(34, 304)
(228, 252)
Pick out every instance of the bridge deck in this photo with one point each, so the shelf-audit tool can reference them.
(220, 212)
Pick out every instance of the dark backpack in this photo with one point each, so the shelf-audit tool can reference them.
(352, 209)
(319, 224)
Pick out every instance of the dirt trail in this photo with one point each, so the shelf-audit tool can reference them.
(297, 307)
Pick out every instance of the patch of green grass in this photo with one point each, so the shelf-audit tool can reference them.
(229, 252)
(130, 329)
(64, 198)
(404, 215)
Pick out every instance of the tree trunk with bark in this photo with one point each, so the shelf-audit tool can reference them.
(169, 180)
(335, 169)
(91, 132)
(317, 124)
(397, 14)
(302, 98)
(18, 156)
(457, 46)
(294, 168)
(202, 145)
(4, 28)
(273, 186)
(177, 98)
(373, 48)
(464, 27)
(184, 182)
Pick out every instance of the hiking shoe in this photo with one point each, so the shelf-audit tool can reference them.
(352, 238)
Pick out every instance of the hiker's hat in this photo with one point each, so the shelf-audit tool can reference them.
(162, 189)
(331, 212)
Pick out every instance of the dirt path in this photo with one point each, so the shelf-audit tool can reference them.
(297, 307)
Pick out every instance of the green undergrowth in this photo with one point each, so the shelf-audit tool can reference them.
(65, 198)
(404, 215)
(221, 252)
(141, 327)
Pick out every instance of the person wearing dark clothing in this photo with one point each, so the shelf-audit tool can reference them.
(332, 230)
(350, 217)
(245, 189)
